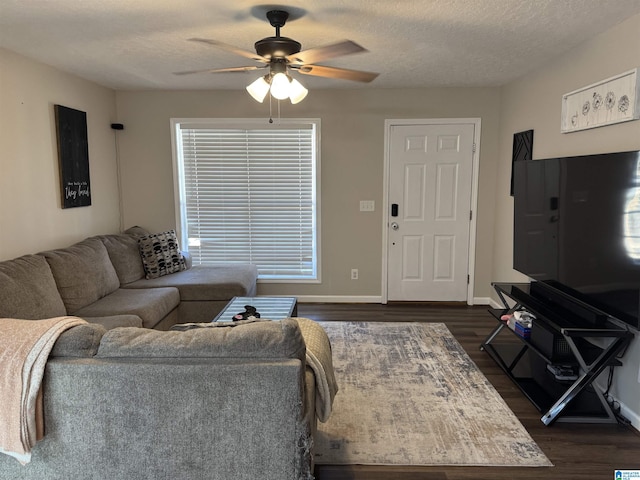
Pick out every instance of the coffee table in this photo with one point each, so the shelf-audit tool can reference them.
(269, 308)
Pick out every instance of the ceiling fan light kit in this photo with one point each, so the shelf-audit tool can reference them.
(283, 55)
(297, 92)
(259, 89)
(281, 86)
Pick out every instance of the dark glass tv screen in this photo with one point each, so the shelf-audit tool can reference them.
(577, 229)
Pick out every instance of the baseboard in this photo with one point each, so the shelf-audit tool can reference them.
(338, 299)
(630, 415)
(493, 304)
(362, 299)
(482, 301)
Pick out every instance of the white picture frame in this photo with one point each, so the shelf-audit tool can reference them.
(614, 100)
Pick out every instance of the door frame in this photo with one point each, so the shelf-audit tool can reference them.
(388, 124)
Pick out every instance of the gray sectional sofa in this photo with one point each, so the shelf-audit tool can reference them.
(214, 403)
(102, 279)
(124, 400)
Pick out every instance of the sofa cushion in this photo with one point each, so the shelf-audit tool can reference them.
(151, 305)
(83, 272)
(125, 256)
(264, 339)
(28, 289)
(207, 283)
(79, 341)
(160, 254)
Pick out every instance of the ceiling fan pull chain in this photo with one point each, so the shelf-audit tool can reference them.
(270, 114)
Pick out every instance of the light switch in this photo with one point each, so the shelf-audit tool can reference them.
(367, 205)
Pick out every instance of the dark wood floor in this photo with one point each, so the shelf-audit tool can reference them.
(578, 451)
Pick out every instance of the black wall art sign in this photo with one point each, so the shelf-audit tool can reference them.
(522, 149)
(73, 156)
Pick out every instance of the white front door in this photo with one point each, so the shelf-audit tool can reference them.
(429, 199)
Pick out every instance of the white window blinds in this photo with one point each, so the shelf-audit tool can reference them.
(248, 195)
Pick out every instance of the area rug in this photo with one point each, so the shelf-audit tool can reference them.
(410, 395)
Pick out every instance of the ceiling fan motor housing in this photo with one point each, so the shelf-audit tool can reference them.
(277, 47)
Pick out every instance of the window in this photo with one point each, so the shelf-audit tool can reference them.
(247, 193)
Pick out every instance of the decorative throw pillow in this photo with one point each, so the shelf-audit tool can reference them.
(160, 254)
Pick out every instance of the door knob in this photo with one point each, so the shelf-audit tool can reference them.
(395, 226)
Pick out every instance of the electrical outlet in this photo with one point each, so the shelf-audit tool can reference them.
(354, 274)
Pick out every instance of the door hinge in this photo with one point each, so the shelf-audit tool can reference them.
(470, 215)
(474, 148)
(468, 279)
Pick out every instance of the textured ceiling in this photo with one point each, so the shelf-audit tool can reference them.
(137, 44)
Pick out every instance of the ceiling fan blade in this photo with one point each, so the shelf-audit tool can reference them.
(333, 72)
(221, 70)
(320, 54)
(231, 48)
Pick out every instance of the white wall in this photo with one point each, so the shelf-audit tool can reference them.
(352, 157)
(31, 216)
(534, 102)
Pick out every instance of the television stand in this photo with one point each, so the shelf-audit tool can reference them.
(558, 339)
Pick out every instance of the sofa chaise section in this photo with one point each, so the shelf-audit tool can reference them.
(204, 290)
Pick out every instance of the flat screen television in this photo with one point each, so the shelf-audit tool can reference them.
(577, 230)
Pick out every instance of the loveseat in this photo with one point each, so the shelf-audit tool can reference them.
(103, 279)
(216, 401)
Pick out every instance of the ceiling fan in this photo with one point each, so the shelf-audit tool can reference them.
(282, 55)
